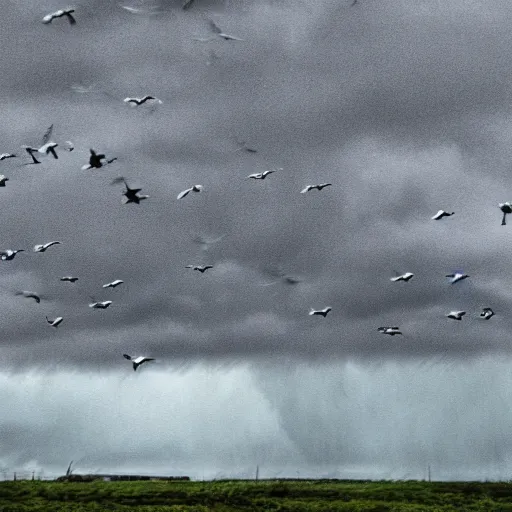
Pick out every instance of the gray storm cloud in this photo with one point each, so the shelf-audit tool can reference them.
(404, 108)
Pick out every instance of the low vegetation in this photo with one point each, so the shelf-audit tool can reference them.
(274, 495)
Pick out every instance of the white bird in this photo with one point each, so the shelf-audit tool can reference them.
(137, 361)
(134, 102)
(3, 180)
(404, 277)
(318, 187)
(55, 322)
(456, 315)
(195, 188)
(71, 146)
(69, 279)
(200, 268)
(487, 313)
(10, 253)
(4, 156)
(506, 208)
(392, 331)
(456, 277)
(100, 304)
(320, 312)
(262, 175)
(113, 284)
(218, 33)
(59, 14)
(440, 214)
(43, 247)
(30, 295)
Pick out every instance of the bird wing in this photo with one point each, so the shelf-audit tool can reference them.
(49, 244)
(48, 18)
(71, 19)
(49, 321)
(126, 356)
(450, 275)
(47, 135)
(308, 188)
(184, 193)
(215, 28)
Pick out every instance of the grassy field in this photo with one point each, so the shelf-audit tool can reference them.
(227, 496)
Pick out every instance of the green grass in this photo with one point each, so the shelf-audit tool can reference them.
(279, 496)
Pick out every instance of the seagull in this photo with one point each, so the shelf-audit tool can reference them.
(322, 312)
(97, 161)
(205, 243)
(487, 313)
(71, 146)
(30, 295)
(218, 33)
(113, 284)
(69, 279)
(100, 304)
(318, 187)
(3, 179)
(195, 188)
(242, 146)
(404, 277)
(262, 175)
(4, 156)
(440, 214)
(389, 330)
(10, 253)
(43, 247)
(134, 102)
(137, 361)
(506, 208)
(456, 315)
(59, 14)
(55, 322)
(457, 276)
(200, 268)
(281, 275)
(131, 194)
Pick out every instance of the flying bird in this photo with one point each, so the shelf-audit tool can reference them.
(100, 304)
(392, 331)
(487, 313)
(218, 33)
(113, 284)
(506, 208)
(96, 161)
(3, 180)
(200, 268)
(137, 361)
(440, 214)
(318, 187)
(456, 315)
(71, 146)
(69, 279)
(242, 146)
(55, 322)
(262, 175)
(4, 156)
(131, 194)
(205, 242)
(59, 14)
(195, 188)
(30, 295)
(456, 277)
(43, 247)
(134, 102)
(321, 312)
(403, 277)
(10, 253)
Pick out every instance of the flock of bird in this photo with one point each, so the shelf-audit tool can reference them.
(133, 195)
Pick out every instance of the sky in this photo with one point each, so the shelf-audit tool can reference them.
(405, 109)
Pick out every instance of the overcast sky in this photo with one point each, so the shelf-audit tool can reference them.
(405, 107)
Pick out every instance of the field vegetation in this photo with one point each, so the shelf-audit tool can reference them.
(274, 495)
